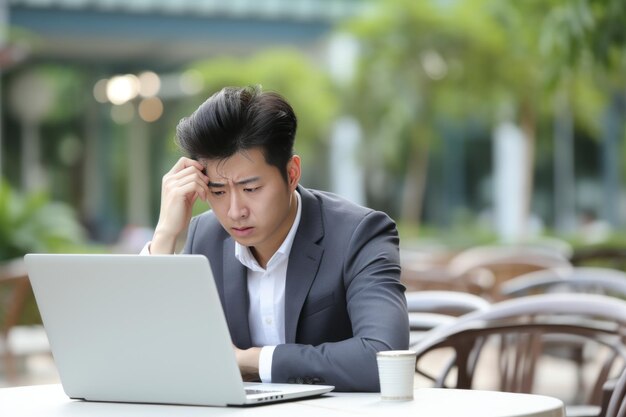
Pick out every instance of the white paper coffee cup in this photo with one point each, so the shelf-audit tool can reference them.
(396, 370)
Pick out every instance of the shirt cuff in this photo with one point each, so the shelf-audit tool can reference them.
(265, 363)
(146, 249)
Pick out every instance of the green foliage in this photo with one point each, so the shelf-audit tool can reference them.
(69, 84)
(576, 46)
(33, 223)
(63, 86)
(424, 62)
(574, 32)
(493, 52)
(421, 63)
(459, 238)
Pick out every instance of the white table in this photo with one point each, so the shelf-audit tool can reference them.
(51, 401)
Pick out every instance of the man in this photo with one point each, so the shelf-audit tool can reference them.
(309, 282)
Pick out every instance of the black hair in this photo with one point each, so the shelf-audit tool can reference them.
(237, 119)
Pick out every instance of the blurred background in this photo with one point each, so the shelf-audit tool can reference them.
(474, 122)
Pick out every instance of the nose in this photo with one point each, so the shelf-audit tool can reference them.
(237, 209)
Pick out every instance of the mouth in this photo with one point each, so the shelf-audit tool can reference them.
(241, 231)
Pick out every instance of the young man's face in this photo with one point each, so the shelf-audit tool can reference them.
(252, 201)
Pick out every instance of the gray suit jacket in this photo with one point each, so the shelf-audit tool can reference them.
(343, 296)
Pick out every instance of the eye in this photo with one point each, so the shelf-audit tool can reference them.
(251, 189)
(217, 193)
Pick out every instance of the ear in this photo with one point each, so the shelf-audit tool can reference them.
(293, 172)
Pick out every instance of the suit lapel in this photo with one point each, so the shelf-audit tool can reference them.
(236, 296)
(304, 261)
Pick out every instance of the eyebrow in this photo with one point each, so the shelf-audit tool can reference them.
(242, 182)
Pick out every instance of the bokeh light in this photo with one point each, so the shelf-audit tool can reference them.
(149, 84)
(150, 109)
(100, 91)
(122, 88)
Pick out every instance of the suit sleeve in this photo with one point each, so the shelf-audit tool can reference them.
(191, 233)
(376, 305)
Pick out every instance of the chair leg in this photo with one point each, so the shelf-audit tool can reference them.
(531, 357)
(13, 312)
(10, 366)
(464, 376)
(603, 375)
(509, 362)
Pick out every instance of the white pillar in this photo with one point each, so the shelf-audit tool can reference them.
(138, 197)
(346, 168)
(347, 176)
(510, 162)
(343, 51)
(33, 176)
(30, 98)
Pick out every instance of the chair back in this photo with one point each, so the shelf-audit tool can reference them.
(519, 330)
(453, 303)
(578, 279)
(429, 309)
(506, 262)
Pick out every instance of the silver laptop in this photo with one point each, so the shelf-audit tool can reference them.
(148, 329)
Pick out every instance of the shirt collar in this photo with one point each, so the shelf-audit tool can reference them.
(244, 255)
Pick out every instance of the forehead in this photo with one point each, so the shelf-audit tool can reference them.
(242, 164)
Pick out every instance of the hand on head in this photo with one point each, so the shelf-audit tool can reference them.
(181, 187)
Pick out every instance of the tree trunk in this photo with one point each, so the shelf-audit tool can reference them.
(415, 180)
(564, 177)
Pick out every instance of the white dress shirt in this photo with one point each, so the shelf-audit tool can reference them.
(266, 291)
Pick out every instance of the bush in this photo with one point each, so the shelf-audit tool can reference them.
(33, 223)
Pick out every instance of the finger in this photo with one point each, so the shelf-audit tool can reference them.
(184, 162)
(201, 185)
(198, 186)
(188, 171)
(187, 192)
